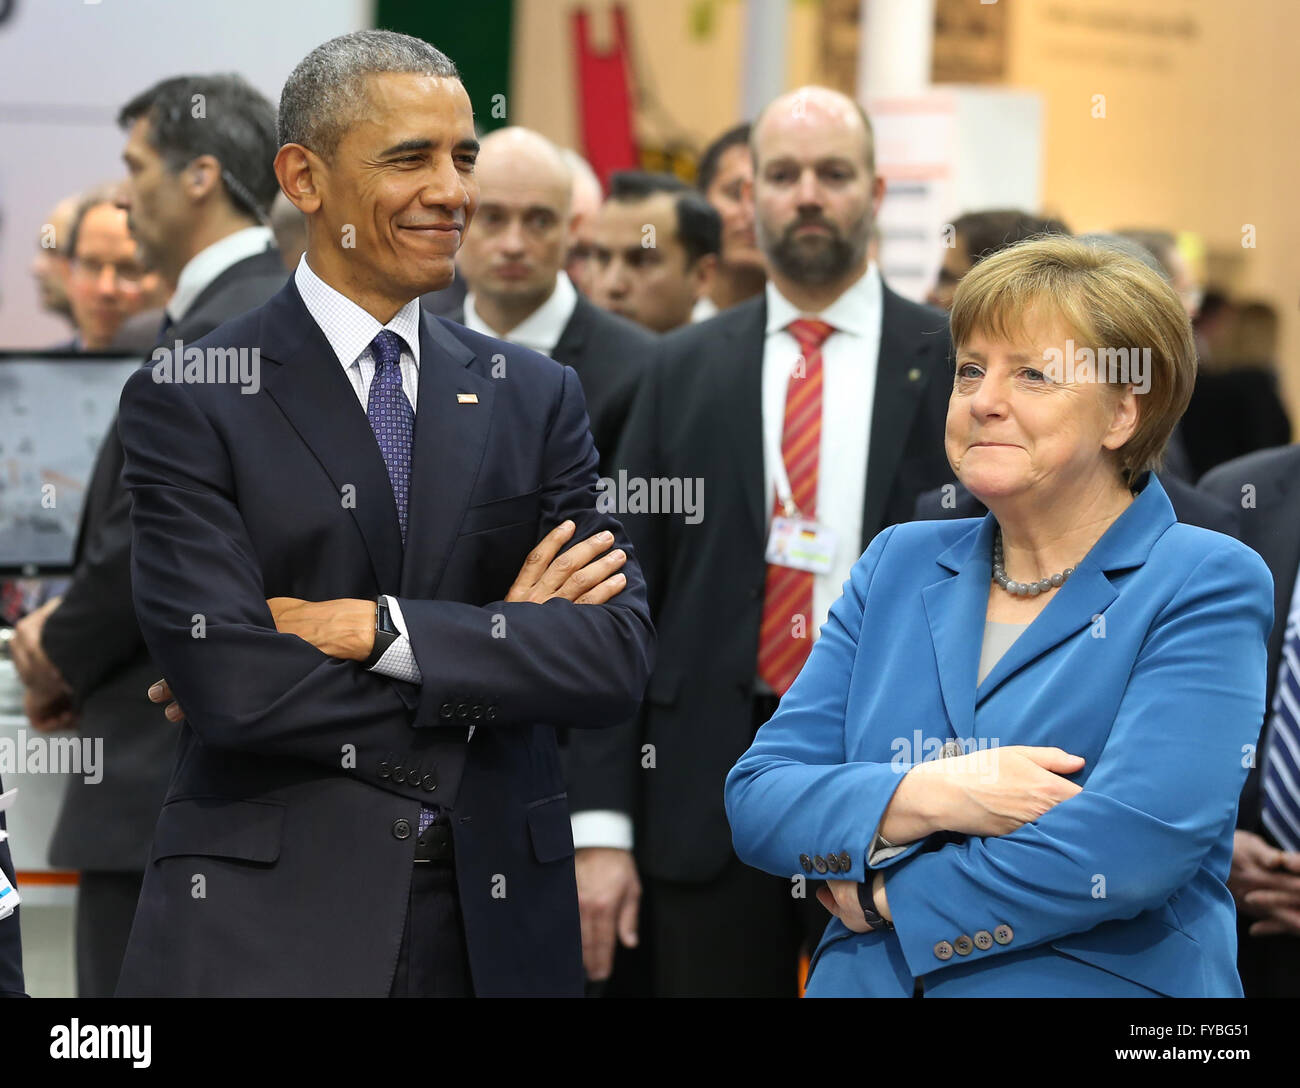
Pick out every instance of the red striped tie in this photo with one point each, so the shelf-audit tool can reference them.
(785, 638)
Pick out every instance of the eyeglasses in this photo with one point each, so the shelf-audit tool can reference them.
(128, 274)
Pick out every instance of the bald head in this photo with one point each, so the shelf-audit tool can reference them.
(515, 159)
(812, 113)
(518, 240)
(815, 191)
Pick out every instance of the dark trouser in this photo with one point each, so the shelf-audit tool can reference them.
(739, 935)
(433, 960)
(105, 910)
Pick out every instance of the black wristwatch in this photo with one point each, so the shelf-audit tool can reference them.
(385, 633)
(875, 919)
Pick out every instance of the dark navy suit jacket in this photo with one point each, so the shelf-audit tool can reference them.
(280, 865)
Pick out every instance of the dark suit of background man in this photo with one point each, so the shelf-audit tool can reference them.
(719, 396)
(1265, 876)
(197, 192)
(512, 261)
(367, 797)
(11, 942)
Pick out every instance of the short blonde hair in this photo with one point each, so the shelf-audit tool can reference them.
(1108, 300)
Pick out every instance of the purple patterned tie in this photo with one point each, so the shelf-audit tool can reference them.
(393, 421)
(392, 418)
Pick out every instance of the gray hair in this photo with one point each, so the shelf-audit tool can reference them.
(325, 94)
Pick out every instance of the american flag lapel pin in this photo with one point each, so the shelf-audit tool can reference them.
(466, 398)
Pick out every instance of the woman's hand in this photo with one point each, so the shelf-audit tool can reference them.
(989, 792)
(840, 897)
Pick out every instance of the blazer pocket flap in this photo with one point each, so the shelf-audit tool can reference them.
(550, 829)
(220, 828)
(1142, 950)
(497, 514)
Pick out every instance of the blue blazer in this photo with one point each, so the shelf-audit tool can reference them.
(1149, 663)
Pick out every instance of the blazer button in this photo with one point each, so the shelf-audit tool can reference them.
(462, 710)
(846, 862)
(1003, 935)
(477, 713)
(983, 940)
(429, 782)
(401, 829)
(806, 862)
(963, 945)
(385, 769)
(819, 863)
(399, 774)
(491, 712)
(446, 710)
(943, 950)
(951, 748)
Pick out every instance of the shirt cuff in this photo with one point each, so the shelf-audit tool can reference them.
(882, 850)
(601, 827)
(398, 661)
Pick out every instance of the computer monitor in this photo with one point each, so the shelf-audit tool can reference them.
(55, 409)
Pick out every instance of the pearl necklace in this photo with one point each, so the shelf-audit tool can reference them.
(1023, 589)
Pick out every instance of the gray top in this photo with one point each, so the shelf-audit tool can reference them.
(998, 638)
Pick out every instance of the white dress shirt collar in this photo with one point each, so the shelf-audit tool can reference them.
(206, 265)
(347, 326)
(856, 311)
(541, 330)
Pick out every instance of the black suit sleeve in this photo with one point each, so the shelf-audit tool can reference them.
(558, 663)
(602, 767)
(94, 631)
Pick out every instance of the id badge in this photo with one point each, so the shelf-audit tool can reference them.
(801, 545)
(8, 896)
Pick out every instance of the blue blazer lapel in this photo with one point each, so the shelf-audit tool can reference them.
(1089, 591)
(954, 609)
(956, 606)
(450, 439)
(316, 397)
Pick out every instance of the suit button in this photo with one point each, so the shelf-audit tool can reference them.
(446, 710)
(943, 950)
(401, 829)
(963, 945)
(951, 749)
(462, 710)
(819, 863)
(385, 769)
(476, 714)
(429, 782)
(491, 712)
(983, 940)
(1003, 935)
(399, 774)
(832, 863)
(846, 862)
(806, 862)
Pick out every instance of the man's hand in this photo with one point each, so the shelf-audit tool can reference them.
(48, 712)
(37, 672)
(609, 897)
(582, 575)
(161, 692)
(343, 628)
(1265, 882)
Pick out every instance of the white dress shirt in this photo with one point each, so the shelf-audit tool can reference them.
(849, 360)
(206, 265)
(541, 330)
(349, 330)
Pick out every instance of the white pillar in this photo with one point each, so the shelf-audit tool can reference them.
(895, 45)
(762, 72)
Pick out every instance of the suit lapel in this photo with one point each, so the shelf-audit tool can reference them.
(956, 607)
(574, 334)
(450, 439)
(316, 397)
(738, 373)
(1278, 543)
(902, 371)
